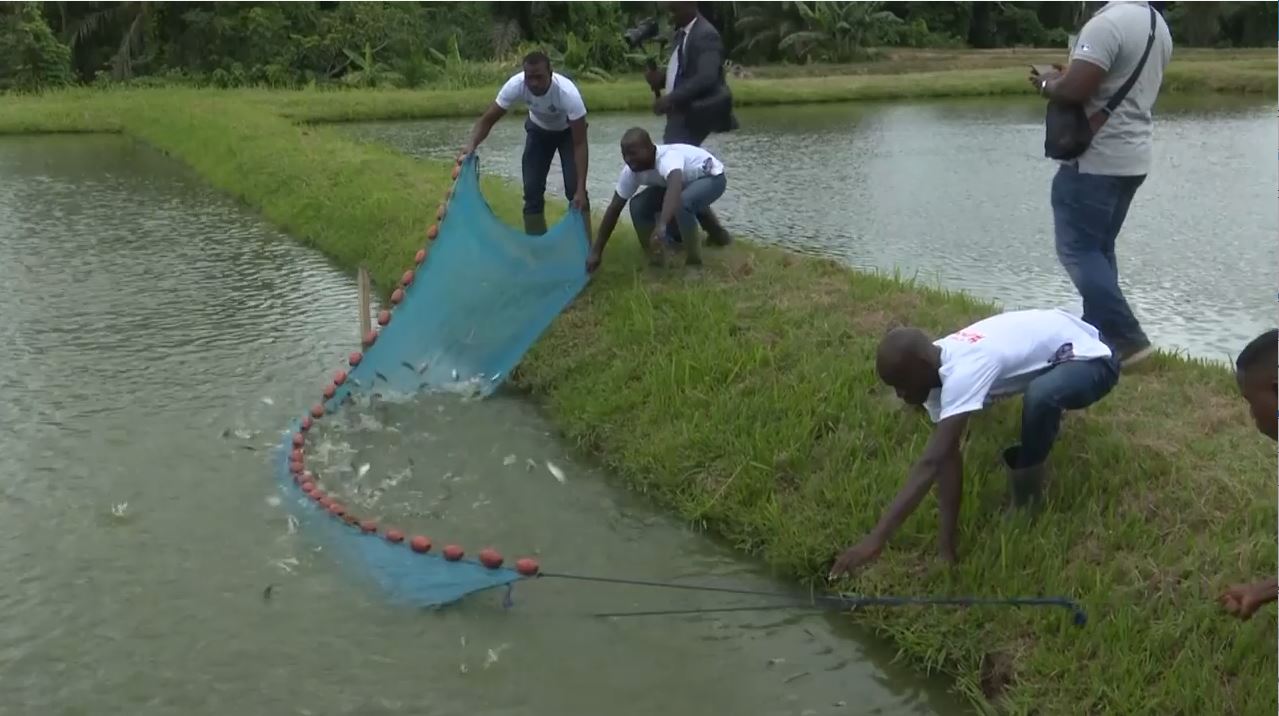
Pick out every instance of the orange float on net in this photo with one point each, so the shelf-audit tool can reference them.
(527, 566)
(317, 494)
(452, 553)
(396, 296)
(420, 256)
(339, 377)
(295, 467)
(317, 411)
(395, 536)
(298, 439)
(490, 558)
(432, 231)
(336, 509)
(407, 278)
(368, 526)
(326, 502)
(383, 317)
(420, 544)
(330, 390)
(355, 358)
(307, 423)
(370, 338)
(441, 212)
(308, 487)
(296, 455)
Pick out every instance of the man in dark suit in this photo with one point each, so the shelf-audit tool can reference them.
(696, 98)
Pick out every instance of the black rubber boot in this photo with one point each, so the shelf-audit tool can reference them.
(1025, 484)
(716, 234)
(535, 224)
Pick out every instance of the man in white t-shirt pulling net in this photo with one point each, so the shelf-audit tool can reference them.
(1055, 360)
(681, 181)
(556, 123)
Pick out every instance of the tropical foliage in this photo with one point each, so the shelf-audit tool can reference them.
(414, 44)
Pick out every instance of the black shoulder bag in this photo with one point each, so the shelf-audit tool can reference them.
(1067, 130)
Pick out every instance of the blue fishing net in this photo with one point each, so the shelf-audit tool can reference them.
(483, 295)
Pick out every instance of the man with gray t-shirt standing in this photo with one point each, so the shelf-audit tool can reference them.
(1092, 192)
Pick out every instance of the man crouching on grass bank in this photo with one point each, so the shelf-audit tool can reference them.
(1257, 374)
(1056, 361)
(681, 181)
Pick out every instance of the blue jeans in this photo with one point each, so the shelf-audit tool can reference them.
(695, 197)
(1088, 212)
(1072, 385)
(540, 146)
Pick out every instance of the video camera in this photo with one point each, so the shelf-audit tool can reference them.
(643, 31)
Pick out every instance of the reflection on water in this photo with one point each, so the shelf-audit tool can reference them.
(957, 193)
(157, 339)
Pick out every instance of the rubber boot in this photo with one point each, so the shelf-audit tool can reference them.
(1025, 484)
(693, 248)
(716, 234)
(535, 224)
(656, 254)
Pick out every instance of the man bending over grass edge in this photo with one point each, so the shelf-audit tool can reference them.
(1055, 360)
(682, 181)
(1257, 374)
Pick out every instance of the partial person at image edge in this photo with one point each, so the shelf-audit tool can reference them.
(556, 122)
(1091, 193)
(1257, 375)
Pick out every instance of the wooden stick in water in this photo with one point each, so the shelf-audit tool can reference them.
(366, 321)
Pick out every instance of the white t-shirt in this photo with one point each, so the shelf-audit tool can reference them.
(561, 104)
(998, 356)
(694, 162)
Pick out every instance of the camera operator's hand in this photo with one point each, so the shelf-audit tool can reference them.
(655, 77)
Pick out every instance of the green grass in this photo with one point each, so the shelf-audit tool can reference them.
(979, 74)
(745, 400)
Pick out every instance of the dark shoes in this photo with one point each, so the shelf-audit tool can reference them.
(535, 224)
(1025, 484)
(1130, 355)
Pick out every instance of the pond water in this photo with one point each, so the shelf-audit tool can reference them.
(956, 193)
(157, 339)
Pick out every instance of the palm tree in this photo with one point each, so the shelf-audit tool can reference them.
(132, 19)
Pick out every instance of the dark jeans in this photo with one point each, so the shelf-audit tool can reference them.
(1088, 212)
(540, 146)
(695, 197)
(1072, 385)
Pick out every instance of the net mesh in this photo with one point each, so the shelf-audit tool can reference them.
(464, 319)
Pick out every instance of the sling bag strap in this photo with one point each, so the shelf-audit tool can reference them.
(1132, 78)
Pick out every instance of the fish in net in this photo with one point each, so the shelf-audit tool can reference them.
(475, 300)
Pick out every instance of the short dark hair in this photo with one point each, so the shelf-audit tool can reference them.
(1262, 351)
(537, 58)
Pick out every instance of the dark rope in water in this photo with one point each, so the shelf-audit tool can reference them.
(827, 600)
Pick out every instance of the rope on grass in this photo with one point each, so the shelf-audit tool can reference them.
(830, 601)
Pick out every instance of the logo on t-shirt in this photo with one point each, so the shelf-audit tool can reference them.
(1063, 354)
(967, 336)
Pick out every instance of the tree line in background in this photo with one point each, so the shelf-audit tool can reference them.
(441, 44)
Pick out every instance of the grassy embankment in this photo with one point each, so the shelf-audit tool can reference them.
(746, 400)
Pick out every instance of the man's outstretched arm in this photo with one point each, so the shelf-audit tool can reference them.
(580, 159)
(482, 127)
(941, 463)
(607, 224)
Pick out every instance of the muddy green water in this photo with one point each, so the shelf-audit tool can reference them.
(956, 193)
(157, 337)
